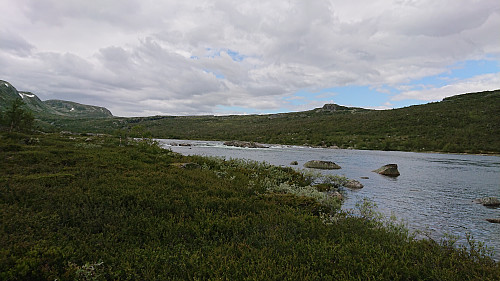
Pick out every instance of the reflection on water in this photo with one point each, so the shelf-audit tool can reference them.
(434, 192)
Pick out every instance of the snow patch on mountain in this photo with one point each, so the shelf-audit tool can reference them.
(22, 95)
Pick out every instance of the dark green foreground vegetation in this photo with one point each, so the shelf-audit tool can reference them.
(101, 208)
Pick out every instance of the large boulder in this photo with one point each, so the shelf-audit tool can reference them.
(488, 201)
(353, 184)
(390, 170)
(319, 164)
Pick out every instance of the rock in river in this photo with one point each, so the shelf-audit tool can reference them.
(354, 184)
(488, 201)
(493, 220)
(319, 164)
(390, 170)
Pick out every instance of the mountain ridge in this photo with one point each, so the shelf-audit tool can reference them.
(8, 93)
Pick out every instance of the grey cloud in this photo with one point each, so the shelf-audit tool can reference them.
(287, 46)
(440, 18)
(15, 44)
(54, 12)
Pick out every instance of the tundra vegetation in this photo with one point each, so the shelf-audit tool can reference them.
(465, 123)
(101, 207)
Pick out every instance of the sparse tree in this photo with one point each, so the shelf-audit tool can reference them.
(17, 117)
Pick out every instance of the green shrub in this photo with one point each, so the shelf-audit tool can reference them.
(125, 213)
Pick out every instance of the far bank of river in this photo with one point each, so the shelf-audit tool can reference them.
(434, 192)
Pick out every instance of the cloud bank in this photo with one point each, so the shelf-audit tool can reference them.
(141, 58)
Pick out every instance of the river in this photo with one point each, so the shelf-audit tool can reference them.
(434, 192)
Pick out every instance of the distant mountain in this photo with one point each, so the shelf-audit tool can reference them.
(78, 110)
(49, 108)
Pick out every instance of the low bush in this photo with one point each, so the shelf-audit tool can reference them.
(122, 212)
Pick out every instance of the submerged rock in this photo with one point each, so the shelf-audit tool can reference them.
(493, 220)
(353, 184)
(488, 201)
(319, 164)
(390, 170)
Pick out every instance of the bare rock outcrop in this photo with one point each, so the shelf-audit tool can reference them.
(390, 170)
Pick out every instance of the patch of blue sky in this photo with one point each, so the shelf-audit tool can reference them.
(461, 70)
(406, 103)
(217, 74)
(471, 68)
(380, 97)
(357, 96)
(235, 55)
(230, 110)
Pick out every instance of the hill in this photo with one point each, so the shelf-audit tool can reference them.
(74, 109)
(49, 108)
(466, 123)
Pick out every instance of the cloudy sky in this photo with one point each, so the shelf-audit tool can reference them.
(145, 57)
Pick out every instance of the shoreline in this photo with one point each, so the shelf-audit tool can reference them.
(268, 145)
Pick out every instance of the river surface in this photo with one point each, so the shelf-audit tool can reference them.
(434, 192)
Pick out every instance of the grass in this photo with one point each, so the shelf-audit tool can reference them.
(95, 208)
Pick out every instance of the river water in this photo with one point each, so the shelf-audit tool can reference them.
(434, 192)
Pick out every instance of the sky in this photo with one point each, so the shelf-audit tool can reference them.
(169, 57)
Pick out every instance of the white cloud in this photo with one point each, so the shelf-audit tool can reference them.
(137, 57)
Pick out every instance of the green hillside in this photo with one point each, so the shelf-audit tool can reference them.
(466, 123)
(7, 94)
(74, 109)
(49, 109)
